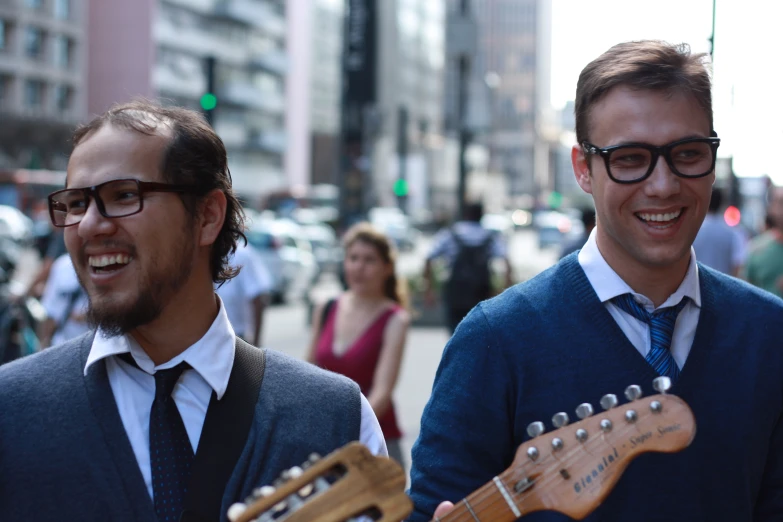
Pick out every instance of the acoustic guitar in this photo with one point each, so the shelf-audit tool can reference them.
(570, 470)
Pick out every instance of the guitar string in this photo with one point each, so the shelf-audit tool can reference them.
(490, 492)
(481, 504)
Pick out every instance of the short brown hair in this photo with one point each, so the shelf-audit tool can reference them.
(195, 156)
(647, 64)
(394, 288)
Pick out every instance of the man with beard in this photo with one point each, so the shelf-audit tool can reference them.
(134, 420)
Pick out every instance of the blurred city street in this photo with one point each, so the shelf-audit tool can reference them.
(285, 328)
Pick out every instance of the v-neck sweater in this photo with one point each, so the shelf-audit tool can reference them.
(65, 455)
(549, 344)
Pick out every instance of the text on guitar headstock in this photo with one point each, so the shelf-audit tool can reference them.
(572, 469)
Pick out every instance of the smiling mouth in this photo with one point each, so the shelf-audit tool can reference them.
(108, 263)
(660, 221)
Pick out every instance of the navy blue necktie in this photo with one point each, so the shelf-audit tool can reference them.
(171, 454)
(661, 324)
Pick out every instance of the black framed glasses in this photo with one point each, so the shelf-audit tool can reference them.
(116, 198)
(634, 162)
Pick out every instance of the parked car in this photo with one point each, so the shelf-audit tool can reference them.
(287, 254)
(555, 227)
(326, 248)
(396, 225)
(499, 223)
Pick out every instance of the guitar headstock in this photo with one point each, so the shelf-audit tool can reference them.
(572, 469)
(344, 485)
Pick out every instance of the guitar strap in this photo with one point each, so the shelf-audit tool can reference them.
(224, 435)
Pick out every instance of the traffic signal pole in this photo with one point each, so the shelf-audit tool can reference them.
(401, 187)
(209, 99)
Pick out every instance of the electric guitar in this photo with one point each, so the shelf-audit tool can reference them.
(570, 470)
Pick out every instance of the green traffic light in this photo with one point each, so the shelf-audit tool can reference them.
(208, 101)
(555, 199)
(400, 188)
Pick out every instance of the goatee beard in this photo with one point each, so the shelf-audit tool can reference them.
(114, 322)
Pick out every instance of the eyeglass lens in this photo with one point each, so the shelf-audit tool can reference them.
(688, 159)
(120, 198)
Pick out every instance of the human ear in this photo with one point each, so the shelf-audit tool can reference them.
(581, 164)
(212, 215)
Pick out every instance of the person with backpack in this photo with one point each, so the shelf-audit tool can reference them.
(467, 248)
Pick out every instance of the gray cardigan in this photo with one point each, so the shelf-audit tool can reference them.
(64, 454)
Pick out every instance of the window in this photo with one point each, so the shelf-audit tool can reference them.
(34, 4)
(34, 42)
(33, 94)
(63, 96)
(63, 51)
(62, 9)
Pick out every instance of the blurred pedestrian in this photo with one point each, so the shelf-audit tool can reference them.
(65, 302)
(588, 221)
(764, 267)
(150, 221)
(467, 249)
(718, 245)
(362, 333)
(246, 295)
(633, 305)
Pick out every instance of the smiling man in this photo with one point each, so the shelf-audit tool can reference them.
(632, 305)
(162, 412)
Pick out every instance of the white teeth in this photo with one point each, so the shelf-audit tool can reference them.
(660, 217)
(102, 261)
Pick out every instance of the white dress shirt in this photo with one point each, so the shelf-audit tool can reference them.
(607, 284)
(211, 359)
(237, 293)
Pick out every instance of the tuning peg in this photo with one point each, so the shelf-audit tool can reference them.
(609, 401)
(535, 429)
(662, 384)
(584, 410)
(633, 392)
(560, 419)
(263, 491)
(295, 472)
(236, 510)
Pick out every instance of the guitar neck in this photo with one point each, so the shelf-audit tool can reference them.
(495, 501)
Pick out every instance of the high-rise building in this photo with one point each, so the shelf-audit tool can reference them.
(411, 56)
(509, 73)
(161, 49)
(42, 86)
(325, 88)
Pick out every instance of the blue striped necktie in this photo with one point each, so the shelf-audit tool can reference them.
(661, 324)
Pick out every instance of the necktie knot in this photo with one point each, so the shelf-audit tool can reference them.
(628, 304)
(661, 323)
(165, 380)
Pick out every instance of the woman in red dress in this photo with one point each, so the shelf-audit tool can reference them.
(364, 329)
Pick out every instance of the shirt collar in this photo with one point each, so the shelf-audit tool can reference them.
(608, 285)
(212, 356)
